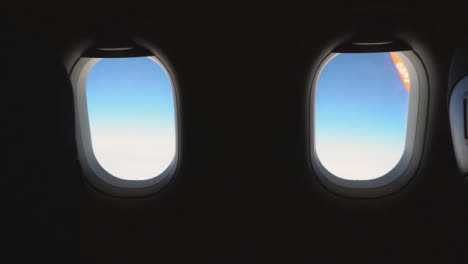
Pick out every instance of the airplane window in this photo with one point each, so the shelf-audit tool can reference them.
(131, 117)
(367, 110)
(127, 120)
(361, 112)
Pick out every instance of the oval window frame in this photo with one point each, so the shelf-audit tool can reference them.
(396, 178)
(93, 171)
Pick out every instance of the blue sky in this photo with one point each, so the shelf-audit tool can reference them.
(131, 116)
(361, 110)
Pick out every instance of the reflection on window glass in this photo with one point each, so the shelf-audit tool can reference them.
(131, 117)
(361, 110)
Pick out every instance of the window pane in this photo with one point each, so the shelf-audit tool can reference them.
(131, 117)
(361, 111)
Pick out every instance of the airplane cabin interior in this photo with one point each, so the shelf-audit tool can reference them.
(141, 133)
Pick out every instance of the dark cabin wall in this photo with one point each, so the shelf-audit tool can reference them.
(245, 190)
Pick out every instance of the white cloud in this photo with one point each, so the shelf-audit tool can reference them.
(135, 153)
(358, 160)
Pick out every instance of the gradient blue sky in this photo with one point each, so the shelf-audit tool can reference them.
(361, 109)
(131, 117)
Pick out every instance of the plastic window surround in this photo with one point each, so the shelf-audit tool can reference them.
(409, 162)
(94, 172)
